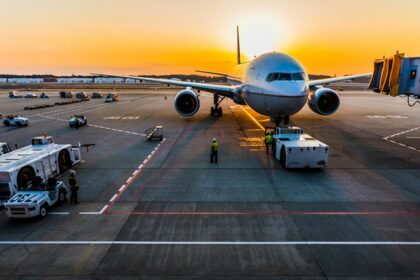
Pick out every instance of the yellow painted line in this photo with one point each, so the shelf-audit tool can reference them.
(253, 119)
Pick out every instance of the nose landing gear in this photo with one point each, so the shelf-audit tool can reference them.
(216, 111)
(281, 120)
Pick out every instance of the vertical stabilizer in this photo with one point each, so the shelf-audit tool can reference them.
(238, 46)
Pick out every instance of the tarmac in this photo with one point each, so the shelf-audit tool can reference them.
(150, 210)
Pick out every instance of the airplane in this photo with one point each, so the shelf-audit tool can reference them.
(273, 84)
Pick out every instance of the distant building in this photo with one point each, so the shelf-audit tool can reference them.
(25, 80)
(74, 80)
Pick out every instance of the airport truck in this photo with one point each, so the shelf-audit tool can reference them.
(294, 149)
(43, 158)
(35, 201)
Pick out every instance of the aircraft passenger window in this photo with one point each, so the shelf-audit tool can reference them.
(285, 77)
(298, 77)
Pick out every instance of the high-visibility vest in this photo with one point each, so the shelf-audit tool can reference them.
(215, 146)
(268, 139)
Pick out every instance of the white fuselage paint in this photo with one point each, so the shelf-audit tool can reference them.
(276, 98)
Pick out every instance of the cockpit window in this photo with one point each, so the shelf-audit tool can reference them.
(298, 77)
(285, 77)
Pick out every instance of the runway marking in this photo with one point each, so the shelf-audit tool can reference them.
(253, 119)
(387, 138)
(214, 243)
(281, 213)
(94, 125)
(94, 213)
(130, 180)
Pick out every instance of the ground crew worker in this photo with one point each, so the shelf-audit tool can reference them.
(74, 187)
(76, 122)
(268, 140)
(273, 143)
(214, 149)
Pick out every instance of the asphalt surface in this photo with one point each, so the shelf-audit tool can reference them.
(179, 215)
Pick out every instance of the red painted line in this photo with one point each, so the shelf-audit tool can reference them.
(284, 213)
(130, 180)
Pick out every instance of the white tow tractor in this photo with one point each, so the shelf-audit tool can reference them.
(43, 158)
(294, 149)
(35, 201)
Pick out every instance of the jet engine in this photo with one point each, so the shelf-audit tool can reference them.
(323, 101)
(187, 102)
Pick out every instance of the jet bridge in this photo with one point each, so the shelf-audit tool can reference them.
(397, 76)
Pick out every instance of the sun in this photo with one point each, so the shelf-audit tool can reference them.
(259, 35)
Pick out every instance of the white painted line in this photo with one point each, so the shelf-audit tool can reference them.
(89, 213)
(413, 137)
(103, 209)
(215, 243)
(58, 213)
(113, 198)
(401, 144)
(129, 180)
(122, 187)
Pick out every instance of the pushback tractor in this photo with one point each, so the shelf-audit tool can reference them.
(43, 158)
(294, 149)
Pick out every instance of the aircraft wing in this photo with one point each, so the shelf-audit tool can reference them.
(217, 73)
(337, 79)
(223, 90)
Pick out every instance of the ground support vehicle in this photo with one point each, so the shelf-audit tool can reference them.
(44, 95)
(111, 97)
(15, 121)
(81, 95)
(36, 201)
(66, 94)
(294, 149)
(30, 95)
(43, 158)
(81, 121)
(96, 95)
(12, 94)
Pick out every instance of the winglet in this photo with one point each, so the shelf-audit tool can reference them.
(238, 46)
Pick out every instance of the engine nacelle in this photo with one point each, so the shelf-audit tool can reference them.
(323, 101)
(187, 102)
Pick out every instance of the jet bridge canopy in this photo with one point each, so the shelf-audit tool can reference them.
(397, 75)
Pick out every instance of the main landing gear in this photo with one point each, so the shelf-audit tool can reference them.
(281, 121)
(216, 110)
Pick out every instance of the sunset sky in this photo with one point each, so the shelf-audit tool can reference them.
(179, 36)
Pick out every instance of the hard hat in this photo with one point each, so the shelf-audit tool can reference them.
(72, 173)
(214, 139)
